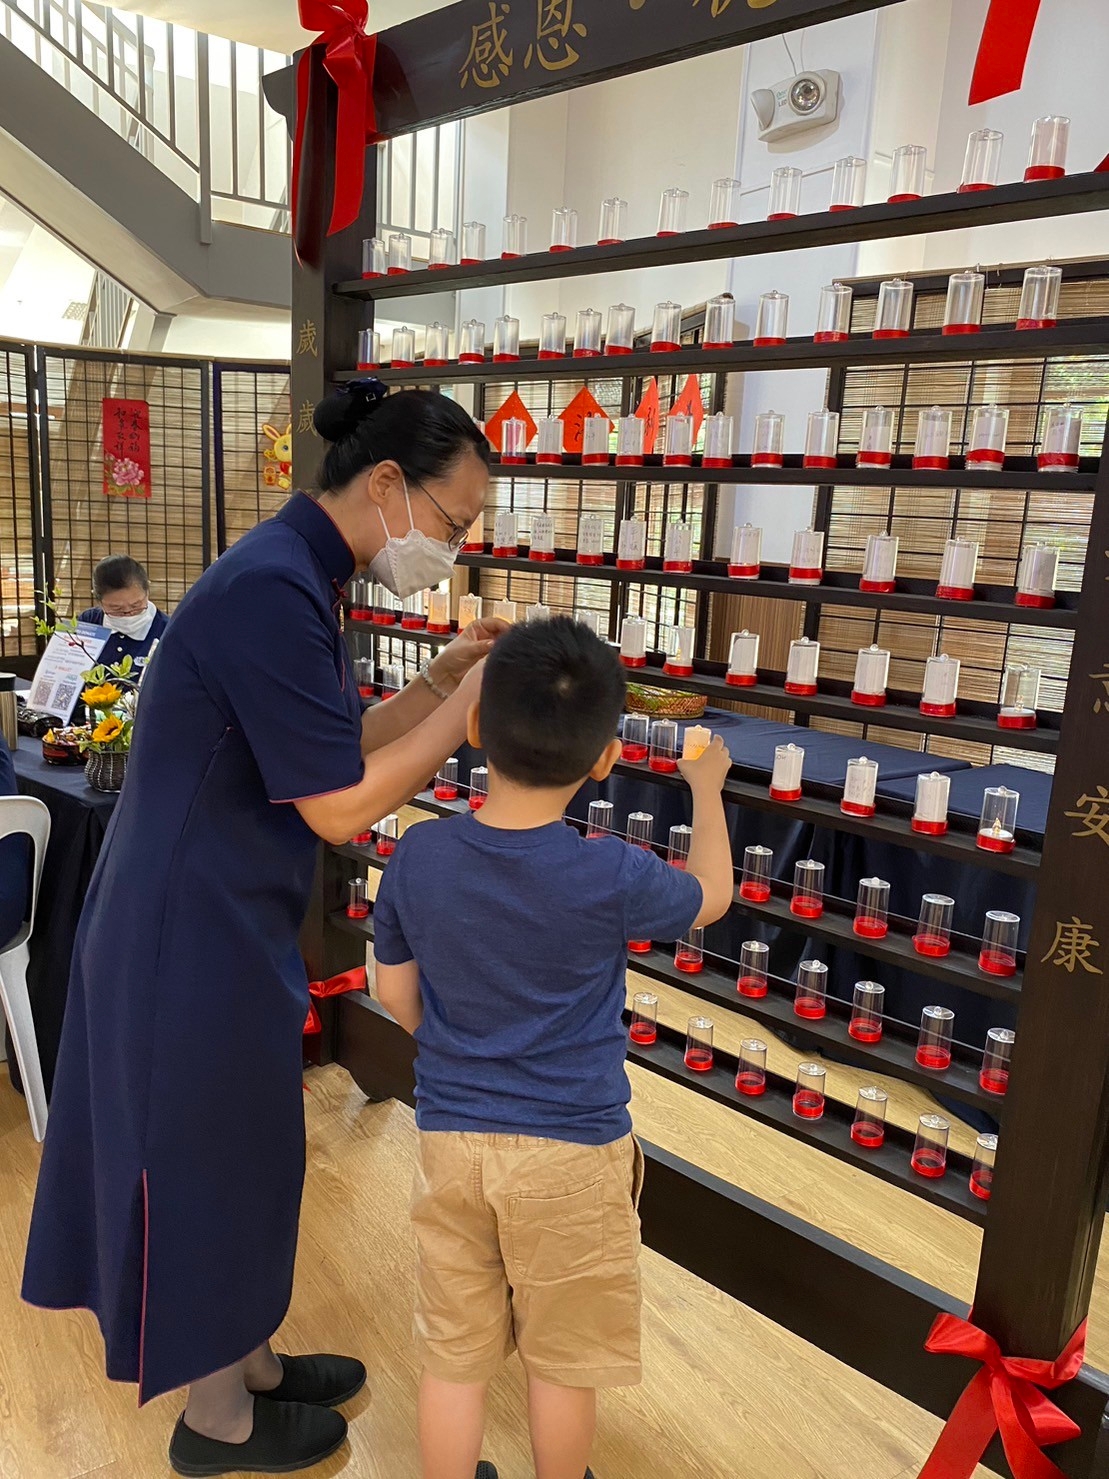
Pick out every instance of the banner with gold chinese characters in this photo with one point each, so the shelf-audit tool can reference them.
(126, 449)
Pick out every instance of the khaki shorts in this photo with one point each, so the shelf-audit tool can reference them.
(529, 1245)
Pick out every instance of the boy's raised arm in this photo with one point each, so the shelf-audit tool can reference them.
(710, 853)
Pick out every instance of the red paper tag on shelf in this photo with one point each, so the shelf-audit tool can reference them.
(690, 403)
(648, 411)
(512, 410)
(573, 419)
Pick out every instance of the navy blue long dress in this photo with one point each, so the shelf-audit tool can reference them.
(171, 1177)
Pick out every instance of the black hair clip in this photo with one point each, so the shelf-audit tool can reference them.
(368, 386)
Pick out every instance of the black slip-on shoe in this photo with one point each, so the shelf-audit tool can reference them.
(287, 1436)
(485, 1470)
(321, 1381)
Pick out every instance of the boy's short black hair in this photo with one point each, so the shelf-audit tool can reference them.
(551, 699)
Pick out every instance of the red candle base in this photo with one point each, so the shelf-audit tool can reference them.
(361, 613)
(989, 843)
(366, 276)
(766, 459)
(782, 216)
(756, 893)
(677, 671)
(590, 559)
(435, 364)
(471, 359)
(984, 459)
(595, 459)
(810, 1007)
(358, 911)
(981, 1183)
(1036, 323)
(477, 802)
(698, 1059)
(662, 766)
(902, 196)
(716, 462)
(633, 754)
(587, 354)
(800, 690)
(994, 1080)
(618, 348)
(438, 629)
(505, 359)
(363, 839)
(365, 365)
(931, 464)
(639, 947)
(686, 961)
(633, 662)
(630, 564)
(929, 1163)
(808, 1104)
(543, 556)
(745, 572)
(505, 551)
(1029, 598)
(397, 271)
(445, 793)
(751, 1081)
(870, 928)
(402, 364)
(767, 342)
(880, 587)
(741, 680)
(550, 458)
(753, 986)
(680, 567)
(868, 1134)
(469, 261)
(386, 847)
(866, 1029)
(561, 247)
(722, 225)
(961, 328)
(931, 945)
(629, 462)
(937, 711)
(664, 346)
(868, 700)
(667, 233)
(383, 619)
(935, 1059)
(997, 962)
(827, 336)
(552, 354)
(777, 795)
(806, 906)
(808, 461)
(970, 189)
(929, 829)
(873, 459)
(413, 623)
(1044, 172)
(856, 809)
(677, 460)
(805, 575)
(365, 690)
(643, 1034)
(509, 256)
(1057, 461)
(439, 266)
(1023, 720)
(843, 206)
(890, 334)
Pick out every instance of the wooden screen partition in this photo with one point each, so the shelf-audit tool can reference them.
(1042, 1226)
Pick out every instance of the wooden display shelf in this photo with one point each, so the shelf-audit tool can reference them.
(399, 633)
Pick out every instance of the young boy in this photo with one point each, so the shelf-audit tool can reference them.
(500, 939)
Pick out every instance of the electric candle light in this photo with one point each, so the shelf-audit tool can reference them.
(596, 621)
(808, 1094)
(506, 339)
(770, 430)
(614, 213)
(552, 336)
(400, 253)
(993, 1076)
(664, 746)
(930, 810)
(785, 193)
(1039, 565)
(587, 334)
(930, 1151)
(966, 296)
(997, 825)
(719, 439)
(679, 659)
(634, 732)
(689, 956)
(933, 1050)
(631, 438)
(506, 610)
(594, 441)
(758, 861)
(360, 599)
(358, 899)
(697, 738)
(369, 349)
(803, 666)
(785, 780)
(392, 680)
(388, 830)
(933, 931)
(981, 1171)
(989, 427)
(437, 344)
(821, 439)
(681, 836)
(719, 323)
(724, 204)
(671, 212)
(750, 1076)
(958, 570)
(641, 827)
(910, 161)
(506, 540)
(479, 787)
(564, 229)
(879, 563)
(860, 788)
(982, 161)
(1039, 298)
(867, 1003)
(833, 314)
(375, 257)
(644, 1024)
(591, 540)
(745, 562)
(806, 564)
(385, 611)
(515, 442)
(620, 334)
(754, 975)
(876, 438)
(439, 612)
(469, 610)
(548, 447)
(413, 613)
(542, 537)
(600, 820)
(631, 546)
(666, 328)
(441, 250)
(869, 1127)
(678, 548)
(933, 439)
(364, 676)
(872, 907)
(1062, 439)
(515, 236)
(812, 989)
(893, 316)
(772, 319)
(698, 1042)
(473, 243)
(808, 889)
(848, 184)
(678, 450)
(403, 353)
(1020, 695)
(998, 955)
(446, 782)
(1047, 153)
(633, 642)
(471, 348)
(872, 667)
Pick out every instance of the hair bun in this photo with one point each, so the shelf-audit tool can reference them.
(343, 411)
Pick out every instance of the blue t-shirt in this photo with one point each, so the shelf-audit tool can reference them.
(521, 942)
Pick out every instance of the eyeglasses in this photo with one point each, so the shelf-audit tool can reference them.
(457, 536)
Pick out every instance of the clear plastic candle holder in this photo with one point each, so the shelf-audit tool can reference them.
(514, 236)
(392, 680)
(636, 730)
(375, 257)
(360, 599)
(997, 825)
(933, 931)
(1039, 297)
(821, 439)
(941, 687)
(437, 344)
(719, 322)
(678, 446)
(930, 808)
(505, 610)
(671, 212)
(966, 296)
(643, 1030)
(548, 445)
(772, 319)
(631, 545)
(386, 612)
(893, 316)
(689, 953)
(473, 243)
(803, 667)
(388, 832)
(745, 560)
(808, 889)
(358, 899)
(933, 439)
(364, 676)
(808, 1092)
(400, 253)
(594, 441)
(981, 1171)
(770, 430)
(471, 344)
(1020, 696)
(848, 184)
(631, 439)
(958, 570)
(552, 336)
(587, 333)
(620, 333)
(758, 863)
(666, 327)
(438, 612)
(910, 163)
(880, 563)
(785, 193)
(719, 440)
(679, 656)
(596, 621)
(591, 540)
(876, 438)
(698, 1041)
(613, 223)
(664, 747)
(868, 1129)
(750, 1078)
(982, 161)
(413, 613)
(633, 642)
(541, 546)
(867, 1006)
(506, 537)
(754, 969)
(1047, 151)
(677, 850)
(872, 666)
(403, 353)
(506, 339)
(564, 229)
(1061, 440)
(989, 429)
(806, 563)
(993, 1076)
(600, 820)
(833, 314)
(811, 998)
(641, 829)
(696, 739)
(872, 906)
(446, 782)
(933, 1049)
(469, 610)
(1000, 932)
(930, 1151)
(479, 787)
(860, 788)
(785, 779)
(442, 249)
(1039, 567)
(369, 349)
(724, 204)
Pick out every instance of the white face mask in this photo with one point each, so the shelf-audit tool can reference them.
(413, 563)
(135, 627)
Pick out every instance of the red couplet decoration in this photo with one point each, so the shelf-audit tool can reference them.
(690, 403)
(1003, 1396)
(126, 448)
(648, 413)
(512, 410)
(574, 417)
(1003, 50)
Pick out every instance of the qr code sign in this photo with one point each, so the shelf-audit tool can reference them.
(65, 693)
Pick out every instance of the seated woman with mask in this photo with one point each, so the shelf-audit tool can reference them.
(122, 592)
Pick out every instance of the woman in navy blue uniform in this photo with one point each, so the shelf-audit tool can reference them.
(171, 1178)
(122, 592)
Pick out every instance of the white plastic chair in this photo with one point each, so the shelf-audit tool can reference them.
(23, 815)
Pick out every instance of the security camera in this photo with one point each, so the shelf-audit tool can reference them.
(807, 101)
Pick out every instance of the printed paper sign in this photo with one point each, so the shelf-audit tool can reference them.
(57, 682)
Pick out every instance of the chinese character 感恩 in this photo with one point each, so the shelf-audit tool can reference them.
(554, 22)
(490, 57)
(1095, 819)
(306, 341)
(1072, 945)
(304, 418)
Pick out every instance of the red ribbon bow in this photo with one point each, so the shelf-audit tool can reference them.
(352, 980)
(1003, 1397)
(349, 57)
(1003, 50)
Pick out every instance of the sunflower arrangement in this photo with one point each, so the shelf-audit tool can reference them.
(109, 700)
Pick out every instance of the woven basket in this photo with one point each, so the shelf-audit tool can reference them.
(665, 703)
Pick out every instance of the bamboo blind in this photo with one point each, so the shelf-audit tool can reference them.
(20, 570)
(248, 399)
